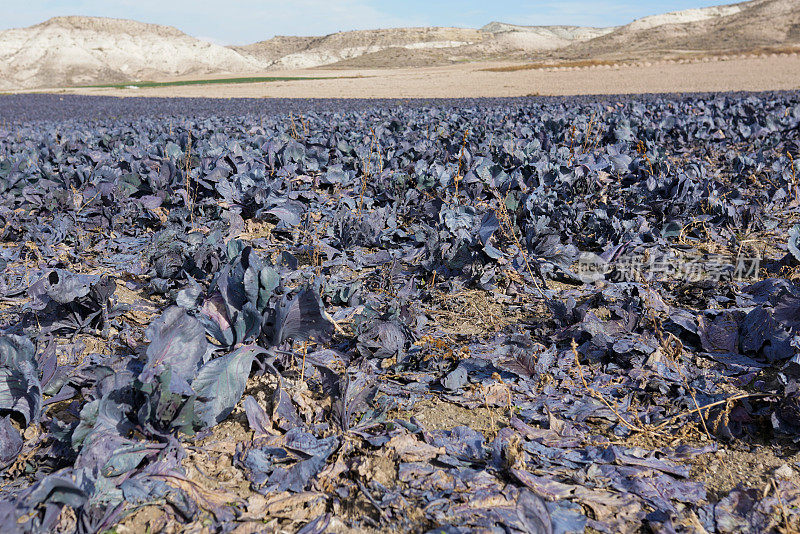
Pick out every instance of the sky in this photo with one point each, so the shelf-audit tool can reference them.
(248, 21)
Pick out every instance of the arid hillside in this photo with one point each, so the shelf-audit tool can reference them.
(67, 51)
(750, 26)
(80, 51)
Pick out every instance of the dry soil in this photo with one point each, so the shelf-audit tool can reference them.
(759, 73)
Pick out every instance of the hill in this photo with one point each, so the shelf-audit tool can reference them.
(73, 51)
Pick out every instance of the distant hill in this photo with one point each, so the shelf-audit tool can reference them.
(85, 50)
(68, 51)
(758, 24)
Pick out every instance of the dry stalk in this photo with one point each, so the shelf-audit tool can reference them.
(366, 171)
(588, 132)
(685, 229)
(335, 323)
(787, 528)
(303, 368)
(643, 152)
(596, 394)
(571, 144)
(187, 179)
(507, 228)
(673, 348)
(459, 177)
(794, 177)
(77, 195)
(673, 352)
(372, 145)
(488, 409)
(39, 259)
(708, 406)
(498, 378)
(596, 141)
(316, 257)
(294, 128)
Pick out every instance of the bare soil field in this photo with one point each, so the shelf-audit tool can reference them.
(759, 73)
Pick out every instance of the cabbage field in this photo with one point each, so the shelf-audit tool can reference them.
(545, 315)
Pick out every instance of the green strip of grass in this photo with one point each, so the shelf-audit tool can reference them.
(209, 82)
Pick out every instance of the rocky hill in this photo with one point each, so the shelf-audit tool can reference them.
(67, 51)
(744, 27)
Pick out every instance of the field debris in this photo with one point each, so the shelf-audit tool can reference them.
(526, 315)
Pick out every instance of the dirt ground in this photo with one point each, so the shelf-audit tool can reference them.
(758, 73)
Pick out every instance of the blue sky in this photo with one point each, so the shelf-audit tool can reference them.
(246, 21)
